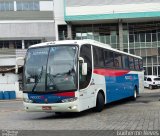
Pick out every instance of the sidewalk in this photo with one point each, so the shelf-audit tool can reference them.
(10, 100)
(146, 90)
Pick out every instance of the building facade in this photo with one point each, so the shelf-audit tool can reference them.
(22, 23)
(131, 26)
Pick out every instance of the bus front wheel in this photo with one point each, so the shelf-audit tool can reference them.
(100, 102)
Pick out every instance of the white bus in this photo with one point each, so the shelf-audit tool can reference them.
(76, 75)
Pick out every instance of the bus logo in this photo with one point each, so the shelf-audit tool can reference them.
(128, 77)
(35, 97)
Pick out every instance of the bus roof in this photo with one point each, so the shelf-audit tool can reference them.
(81, 42)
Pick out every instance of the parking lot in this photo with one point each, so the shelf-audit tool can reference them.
(142, 114)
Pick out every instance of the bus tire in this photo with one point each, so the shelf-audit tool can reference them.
(99, 102)
(135, 94)
(58, 113)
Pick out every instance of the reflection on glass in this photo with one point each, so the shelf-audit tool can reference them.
(51, 69)
(35, 69)
(61, 69)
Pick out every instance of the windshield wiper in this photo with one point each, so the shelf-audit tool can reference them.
(69, 72)
(38, 79)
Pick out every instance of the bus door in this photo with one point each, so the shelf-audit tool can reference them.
(86, 88)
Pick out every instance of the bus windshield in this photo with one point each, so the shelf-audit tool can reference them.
(51, 69)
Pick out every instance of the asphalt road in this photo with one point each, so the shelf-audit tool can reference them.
(142, 114)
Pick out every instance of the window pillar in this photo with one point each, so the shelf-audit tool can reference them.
(23, 46)
(15, 6)
(69, 31)
(120, 26)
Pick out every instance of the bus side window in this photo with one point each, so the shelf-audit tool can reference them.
(141, 64)
(85, 53)
(98, 55)
(108, 59)
(117, 60)
(136, 64)
(131, 63)
(125, 62)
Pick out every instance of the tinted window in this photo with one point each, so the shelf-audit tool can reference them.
(6, 6)
(125, 62)
(156, 79)
(136, 64)
(108, 59)
(28, 6)
(141, 64)
(28, 43)
(61, 68)
(85, 53)
(131, 63)
(117, 60)
(35, 69)
(149, 79)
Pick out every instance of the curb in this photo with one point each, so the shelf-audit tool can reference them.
(12, 100)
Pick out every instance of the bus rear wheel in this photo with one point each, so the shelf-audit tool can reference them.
(135, 94)
(100, 102)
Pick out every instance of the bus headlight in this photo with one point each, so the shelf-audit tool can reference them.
(69, 99)
(27, 100)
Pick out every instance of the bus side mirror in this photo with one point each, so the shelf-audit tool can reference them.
(16, 66)
(84, 69)
(84, 66)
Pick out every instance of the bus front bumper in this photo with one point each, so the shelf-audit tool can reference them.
(53, 107)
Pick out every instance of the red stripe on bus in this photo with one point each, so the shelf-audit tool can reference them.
(111, 72)
(70, 94)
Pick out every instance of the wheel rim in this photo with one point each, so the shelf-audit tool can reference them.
(150, 86)
(135, 94)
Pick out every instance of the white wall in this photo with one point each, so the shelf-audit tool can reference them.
(112, 9)
(27, 29)
(7, 61)
(58, 15)
(9, 82)
(46, 5)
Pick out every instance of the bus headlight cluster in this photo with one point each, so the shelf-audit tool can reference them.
(69, 99)
(27, 100)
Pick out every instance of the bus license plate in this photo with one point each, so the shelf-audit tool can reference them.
(46, 108)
